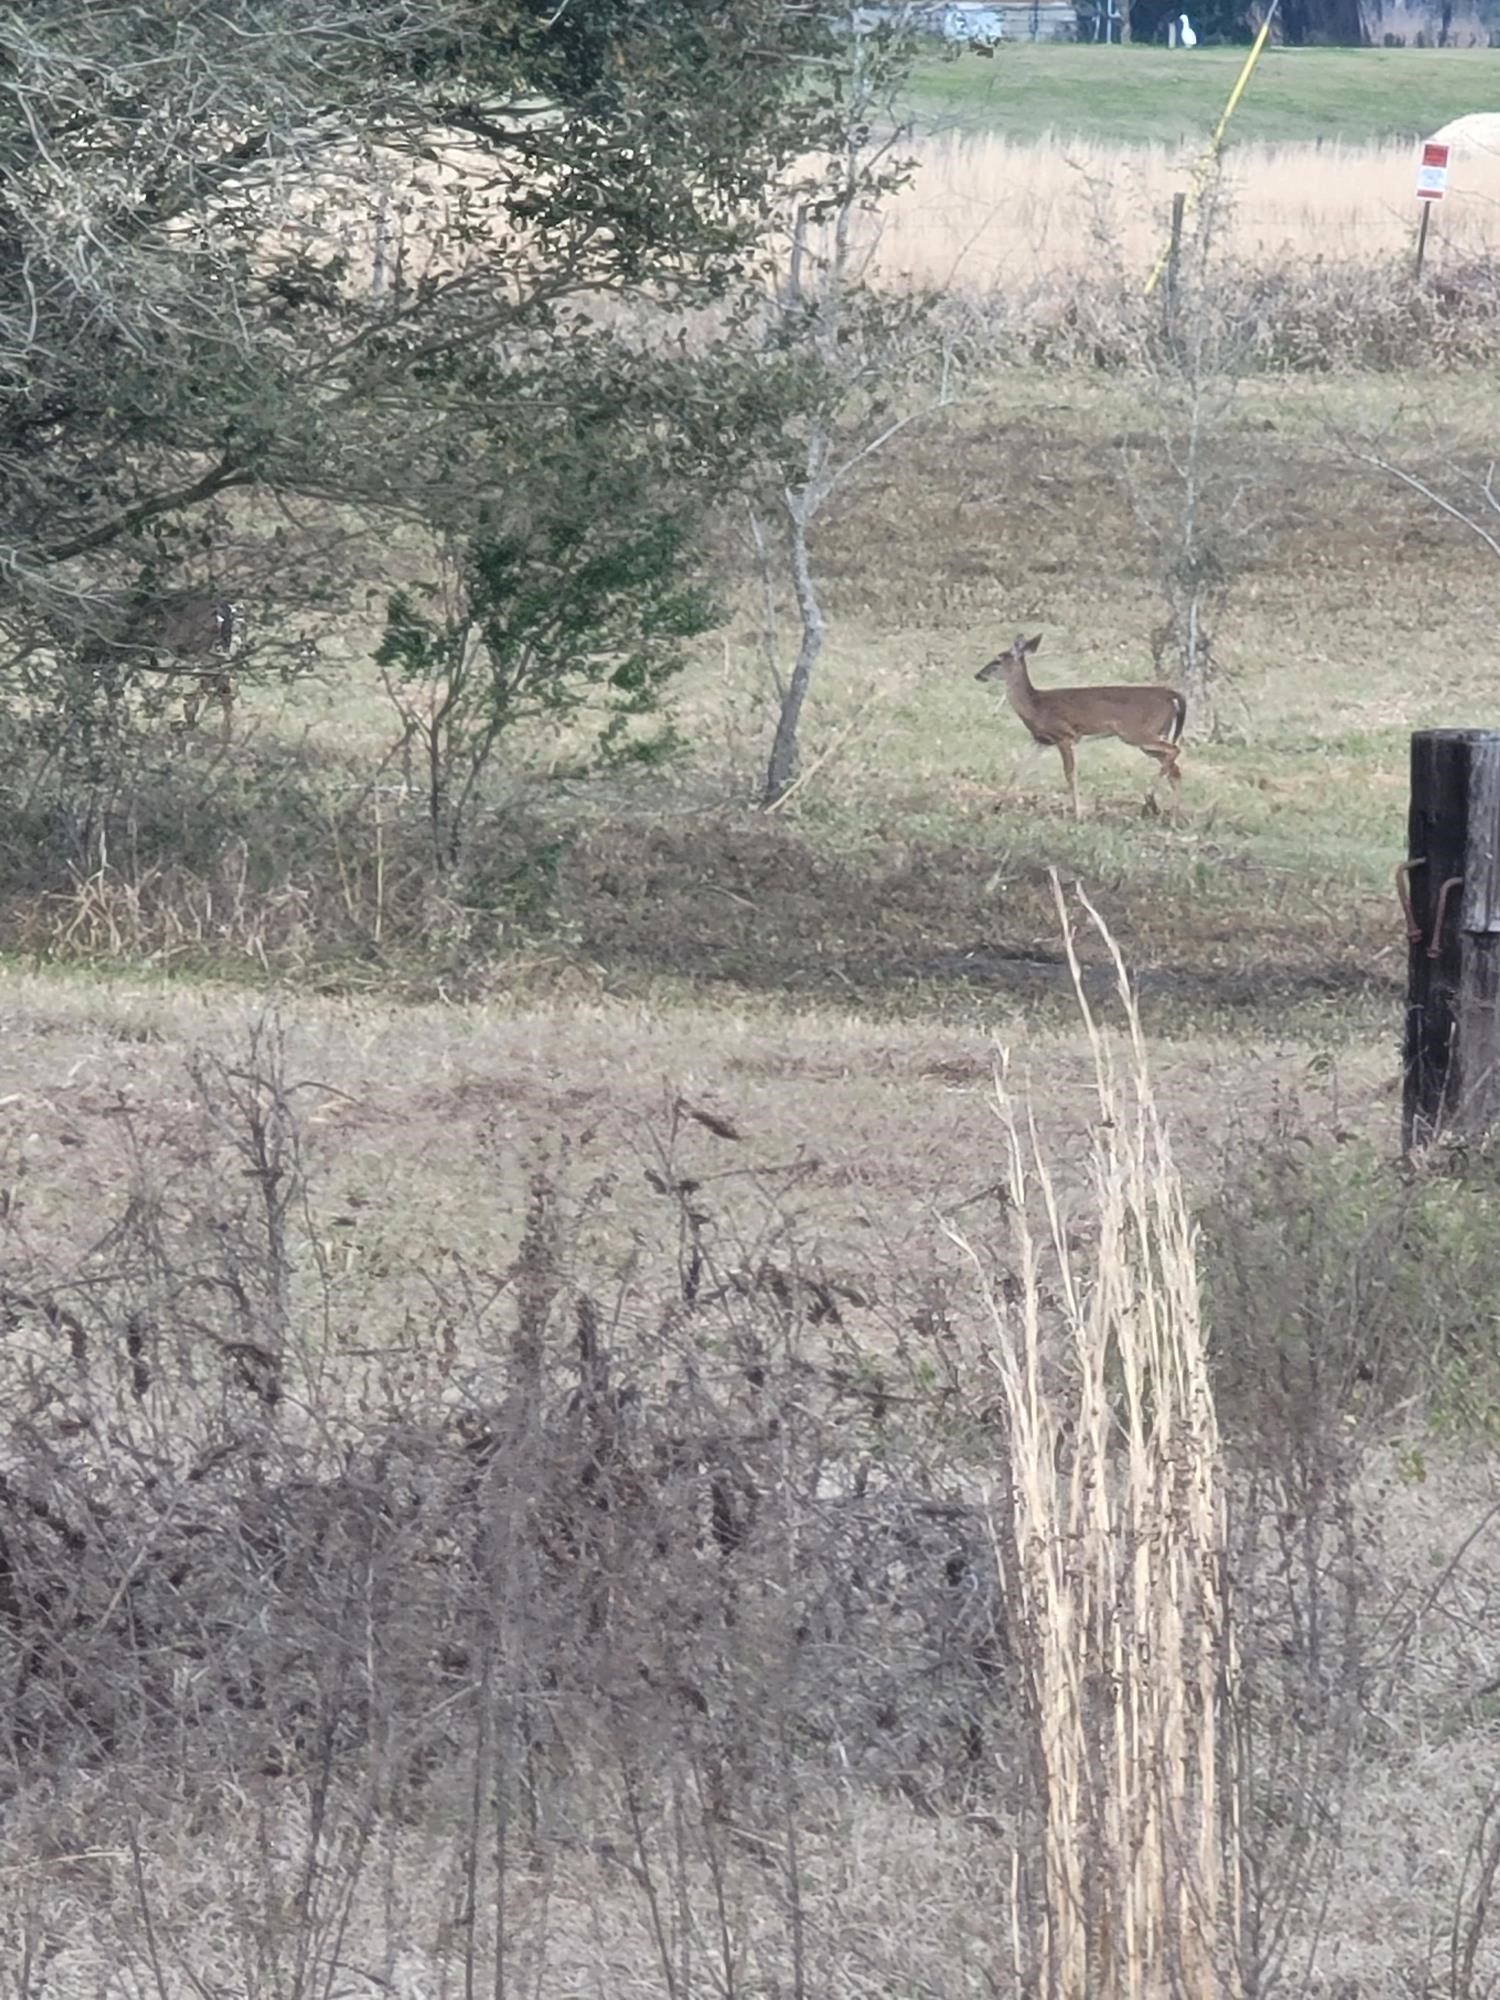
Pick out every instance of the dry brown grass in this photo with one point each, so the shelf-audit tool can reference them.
(982, 211)
(1112, 1522)
(986, 212)
(430, 1111)
(410, 1137)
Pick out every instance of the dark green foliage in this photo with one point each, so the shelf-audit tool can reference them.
(166, 340)
(580, 602)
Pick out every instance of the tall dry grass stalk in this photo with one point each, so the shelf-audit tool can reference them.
(983, 211)
(1111, 1530)
(980, 211)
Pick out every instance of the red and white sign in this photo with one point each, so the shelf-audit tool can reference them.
(1432, 172)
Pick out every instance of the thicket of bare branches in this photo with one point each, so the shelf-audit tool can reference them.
(658, 1582)
(661, 1615)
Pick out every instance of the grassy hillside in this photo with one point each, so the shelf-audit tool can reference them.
(1163, 95)
(909, 879)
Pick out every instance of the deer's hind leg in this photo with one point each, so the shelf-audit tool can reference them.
(1165, 755)
(223, 690)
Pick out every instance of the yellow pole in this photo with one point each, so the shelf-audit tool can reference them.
(1200, 170)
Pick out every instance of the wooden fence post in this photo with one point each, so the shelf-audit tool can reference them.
(1174, 260)
(1452, 1052)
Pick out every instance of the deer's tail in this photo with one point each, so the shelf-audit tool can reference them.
(1179, 716)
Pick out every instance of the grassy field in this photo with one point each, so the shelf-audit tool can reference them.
(984, 212)
(1053, 160)
(717, 1096)
(1163, 97)
(909, 877)
(501, 1373)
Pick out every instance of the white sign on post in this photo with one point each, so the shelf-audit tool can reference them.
(1432, 173)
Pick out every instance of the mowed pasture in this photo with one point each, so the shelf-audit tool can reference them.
(1049, 159)
(1165, 97)
(711, 1093)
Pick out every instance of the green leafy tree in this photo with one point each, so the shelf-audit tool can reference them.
(569, 572)
(251, 246)
(582, 610)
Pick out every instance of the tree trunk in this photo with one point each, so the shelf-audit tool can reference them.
(782, 770)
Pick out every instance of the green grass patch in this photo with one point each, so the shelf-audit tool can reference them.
(1163, 96)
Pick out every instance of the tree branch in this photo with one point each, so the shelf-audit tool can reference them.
(1438, 500)
(217, 480)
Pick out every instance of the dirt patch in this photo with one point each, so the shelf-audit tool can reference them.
(424, 1124)
(754, 904)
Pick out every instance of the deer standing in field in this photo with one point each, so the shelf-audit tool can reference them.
(1149, 717)
(178, 633)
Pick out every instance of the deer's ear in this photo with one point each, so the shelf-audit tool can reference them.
(1030, 645)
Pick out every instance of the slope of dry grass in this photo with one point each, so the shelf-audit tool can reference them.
(304, 1807)
(425, 1115)
(992, 209)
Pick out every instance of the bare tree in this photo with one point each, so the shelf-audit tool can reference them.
(1193, 349)
(1464, 493)
(864, 363)
(1191, 484)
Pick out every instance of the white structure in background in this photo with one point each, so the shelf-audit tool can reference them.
(1185, 33)
(969, 24)
(1473, 143)
(983, 24)
(1476, 136)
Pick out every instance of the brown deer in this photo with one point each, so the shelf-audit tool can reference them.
(1149, 717)
(180, 633)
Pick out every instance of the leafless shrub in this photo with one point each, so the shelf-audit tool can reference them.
(643, 1579)
(1329, 1334)
(1305, 315)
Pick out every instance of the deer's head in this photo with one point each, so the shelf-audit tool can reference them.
(1011, 661)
